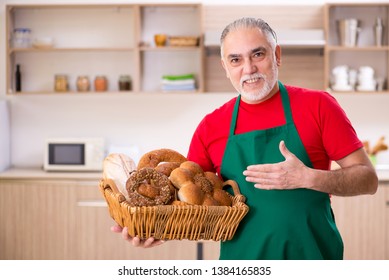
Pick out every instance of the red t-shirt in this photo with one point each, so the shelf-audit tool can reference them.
(323, 126)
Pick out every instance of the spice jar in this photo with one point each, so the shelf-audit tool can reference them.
(125, 82)
(61, 83)
(100, 83)
(83, 83)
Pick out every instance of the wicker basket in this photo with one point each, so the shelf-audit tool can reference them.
(183, 41)
(191, 222)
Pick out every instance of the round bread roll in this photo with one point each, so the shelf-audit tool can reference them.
(215, 180)
(193, 167)
(118, 168)
(198, 187)
(167, 167)
(192, 194)
(180, 176)
(222, 197)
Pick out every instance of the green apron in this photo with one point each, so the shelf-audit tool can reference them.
(281, 224)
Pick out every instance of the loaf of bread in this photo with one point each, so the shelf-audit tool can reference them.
(118, 168)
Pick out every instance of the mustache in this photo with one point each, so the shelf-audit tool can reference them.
(252, 76)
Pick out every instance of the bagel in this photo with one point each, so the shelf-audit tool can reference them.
(155, 157)
(148, 187)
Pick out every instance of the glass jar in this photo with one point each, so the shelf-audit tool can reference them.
(83, 83)
(125, 83)
(100, 83)
(21, 38)
(61, 83)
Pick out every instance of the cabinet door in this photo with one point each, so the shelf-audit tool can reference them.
(95, 240)
(362, 222)
(36, 221)
(385, 187)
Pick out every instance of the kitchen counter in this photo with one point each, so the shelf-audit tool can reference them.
(39, 174)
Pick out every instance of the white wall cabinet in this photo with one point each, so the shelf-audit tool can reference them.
(109, 40)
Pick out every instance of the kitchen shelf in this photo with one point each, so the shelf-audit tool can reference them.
(172, 49)
(357, 92)
(104, 39)
(361, 49)
(365, 52)
(15, 50)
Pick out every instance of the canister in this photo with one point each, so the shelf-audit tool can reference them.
(83, 83)
(61, 83)
(125, 83)
(21, 38)
(100, 83)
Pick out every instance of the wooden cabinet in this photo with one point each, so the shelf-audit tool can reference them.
(363, 222)
(109, 40)
(67, 219)
(344, 48)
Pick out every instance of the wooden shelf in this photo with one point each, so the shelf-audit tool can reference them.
(169, 48)
(358, 92)
(94, 49)
(357, 49)
(365, 53)
(103, 40)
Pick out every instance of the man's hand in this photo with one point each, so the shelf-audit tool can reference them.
(288, 174)
(136, 241)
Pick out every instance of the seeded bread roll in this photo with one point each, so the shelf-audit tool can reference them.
(118, 168)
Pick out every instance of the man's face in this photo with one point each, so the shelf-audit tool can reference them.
(251, 64)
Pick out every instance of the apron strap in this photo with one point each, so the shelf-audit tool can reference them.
(285, 103)
(235, 115)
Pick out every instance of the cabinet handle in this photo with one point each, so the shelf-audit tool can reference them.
(92, 203)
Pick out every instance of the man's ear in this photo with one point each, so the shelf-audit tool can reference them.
(225, 68)
(278, 55)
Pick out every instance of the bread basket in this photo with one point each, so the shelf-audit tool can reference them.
(175, 222)
(183, 41)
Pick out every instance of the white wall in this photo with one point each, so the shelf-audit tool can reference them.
(148, 121)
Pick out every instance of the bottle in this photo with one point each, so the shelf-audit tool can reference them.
(378, 32)
(18, 78)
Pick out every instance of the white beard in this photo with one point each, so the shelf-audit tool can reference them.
(263, 92)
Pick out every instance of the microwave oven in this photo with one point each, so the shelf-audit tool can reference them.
(74, 154)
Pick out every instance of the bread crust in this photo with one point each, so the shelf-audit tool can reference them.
(155, 157)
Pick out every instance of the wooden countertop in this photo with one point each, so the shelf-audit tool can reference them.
(39, 174)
